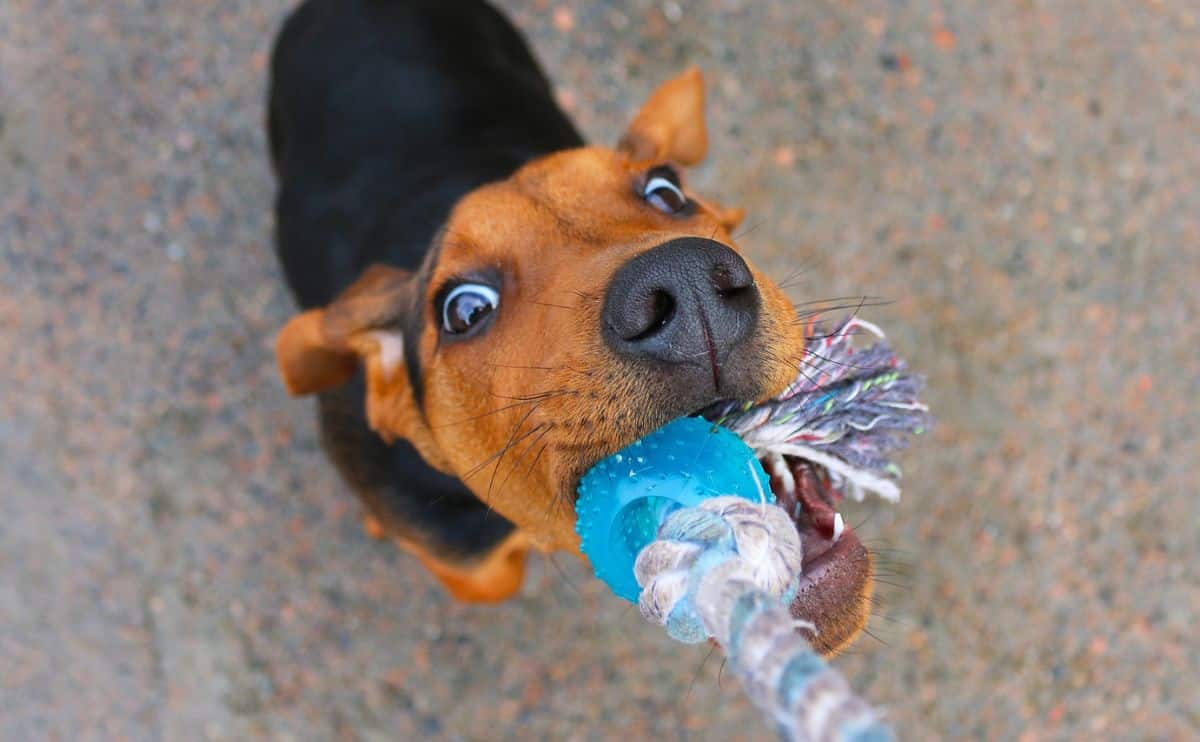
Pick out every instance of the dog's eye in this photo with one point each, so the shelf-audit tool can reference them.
(466, 306)
(663, 192)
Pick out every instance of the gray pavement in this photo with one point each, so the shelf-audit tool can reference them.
(177, 561)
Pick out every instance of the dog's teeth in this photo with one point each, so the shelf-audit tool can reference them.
(781, 470)
(839, 525)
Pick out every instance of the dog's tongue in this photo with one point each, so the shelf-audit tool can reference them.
(810, 498)
(836, 580)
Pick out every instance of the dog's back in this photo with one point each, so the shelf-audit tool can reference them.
(382, 115)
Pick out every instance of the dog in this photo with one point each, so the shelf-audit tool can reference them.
(489, 305)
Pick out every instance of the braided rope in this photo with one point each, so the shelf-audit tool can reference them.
(727, 569)
(848, 410)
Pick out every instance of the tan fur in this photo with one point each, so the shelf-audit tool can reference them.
(671, 124)
(493, 579)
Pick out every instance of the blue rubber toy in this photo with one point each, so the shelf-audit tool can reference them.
(625, 497)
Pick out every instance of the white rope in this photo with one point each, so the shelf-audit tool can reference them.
(727, 569)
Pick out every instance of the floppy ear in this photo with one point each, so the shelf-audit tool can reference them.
(670, 125)
(308, 362)
(323, 348)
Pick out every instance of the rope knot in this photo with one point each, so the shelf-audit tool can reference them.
(754, 546)
(727, 569)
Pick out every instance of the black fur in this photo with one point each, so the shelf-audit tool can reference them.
(382, 114)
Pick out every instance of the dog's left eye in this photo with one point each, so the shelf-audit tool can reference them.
(467, 305)
(663, 192)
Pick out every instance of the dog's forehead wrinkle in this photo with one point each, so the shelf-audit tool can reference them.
(568, 222)
(450, 244)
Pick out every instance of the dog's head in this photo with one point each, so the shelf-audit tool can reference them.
(562, 313)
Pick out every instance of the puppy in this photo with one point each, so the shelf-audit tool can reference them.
(489, 305)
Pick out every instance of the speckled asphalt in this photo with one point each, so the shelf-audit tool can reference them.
(1021, 179)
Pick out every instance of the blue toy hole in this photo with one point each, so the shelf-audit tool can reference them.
(637, 524)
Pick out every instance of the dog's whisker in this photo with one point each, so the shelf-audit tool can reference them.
(834, 333)
(866, 630)
(866, 519)
(541, 450)
(788, 282)
(843, 364)
(516, 463)
(526, 368)
(500, 460)
(485, 414)
(511, 442)
(699, 670)
(748, 230)
(562, 573)
(482, 464)
(537, 396)
(855, 308)
(856, 298)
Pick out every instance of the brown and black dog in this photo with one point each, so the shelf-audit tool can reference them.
(489, 306)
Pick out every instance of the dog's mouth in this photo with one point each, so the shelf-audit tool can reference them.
(834, 593)
(835, 584)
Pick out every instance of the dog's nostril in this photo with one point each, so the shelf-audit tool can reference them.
(657, 311)
(729, 282)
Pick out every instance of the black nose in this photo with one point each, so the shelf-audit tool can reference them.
(690, 301)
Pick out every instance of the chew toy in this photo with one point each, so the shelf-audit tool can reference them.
(682, 522)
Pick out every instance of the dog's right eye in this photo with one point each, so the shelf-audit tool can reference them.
(467, 306)
(663, 191)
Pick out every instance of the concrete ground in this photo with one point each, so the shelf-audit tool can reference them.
(1021, 179)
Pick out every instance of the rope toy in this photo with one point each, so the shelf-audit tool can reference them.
(684, 523)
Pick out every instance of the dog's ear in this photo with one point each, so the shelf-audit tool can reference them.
(670, 126)
(364, 327)
(322, 348)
